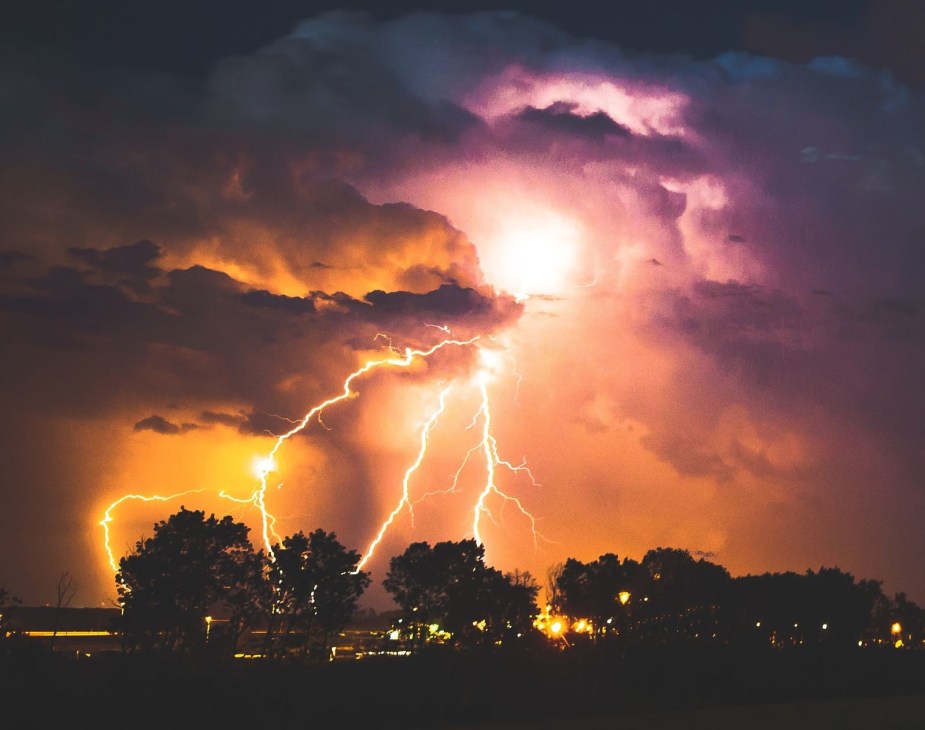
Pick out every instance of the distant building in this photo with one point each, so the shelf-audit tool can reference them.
(79, 630)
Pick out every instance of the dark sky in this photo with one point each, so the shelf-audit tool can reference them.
(689, 235)
(189, 37)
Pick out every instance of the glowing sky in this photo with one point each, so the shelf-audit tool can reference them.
(700, 281)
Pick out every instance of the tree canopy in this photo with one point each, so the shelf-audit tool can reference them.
(306, 591)
(172, 582)
(317, 587)
(447, 593)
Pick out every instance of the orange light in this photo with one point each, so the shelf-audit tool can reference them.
(263, 466)
(532, 254)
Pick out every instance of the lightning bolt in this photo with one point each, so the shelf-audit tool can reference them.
(405, 500)
(259, 495)
(487, 446)
(107, 518)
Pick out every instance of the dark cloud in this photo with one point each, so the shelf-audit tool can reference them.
(294, 305)
(201, 335)
(880, 33)
(161, 425)
(449, 303)
(223, 419)
(134, 260)
(273, 189)
(248, 424)
(748, 310)
(893, 310)
(562, 117)
(247, 193)
(8, 259)
(312, 85)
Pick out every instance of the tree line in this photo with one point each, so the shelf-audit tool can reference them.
(671, 596)
(298, 597)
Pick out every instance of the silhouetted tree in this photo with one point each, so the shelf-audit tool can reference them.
(511, 607)
(911, 620)
(466, 586)
(881, 612)
(449, 585)
(8, 602)
(417, 581)
(318, 586)
(173, 581)
(592, 591)
(553, 596)
(686, 596)
(66, 589)
(836, 602)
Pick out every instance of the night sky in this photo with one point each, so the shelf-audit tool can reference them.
(688, 240)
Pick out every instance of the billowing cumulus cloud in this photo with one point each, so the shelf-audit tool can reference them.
(700, 279)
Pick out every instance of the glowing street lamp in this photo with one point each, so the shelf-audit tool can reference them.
(623, 597)
(208, 626)
(896, 629)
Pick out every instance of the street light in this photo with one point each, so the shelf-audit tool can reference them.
(896, 629)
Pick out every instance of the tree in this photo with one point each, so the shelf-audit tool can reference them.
(553, 595)
(911, 620)
(511, 607)
(417, 581)
(827, 607)
(7, 603)
(449, 585)
(318, 586)
(173, 581)
(687, 596)
(836, 601)
(65, 592)
(592, 591)
(466, 586)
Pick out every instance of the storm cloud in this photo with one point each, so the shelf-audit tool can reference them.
(704, 276)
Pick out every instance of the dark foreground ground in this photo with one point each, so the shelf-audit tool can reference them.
(656, 688)
(866, 713)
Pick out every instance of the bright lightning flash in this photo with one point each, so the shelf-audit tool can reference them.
(489, 447)
(262, 466)
(491, 362)
(535, 254)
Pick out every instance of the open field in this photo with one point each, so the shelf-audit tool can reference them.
(867, 713)
(674, 687)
